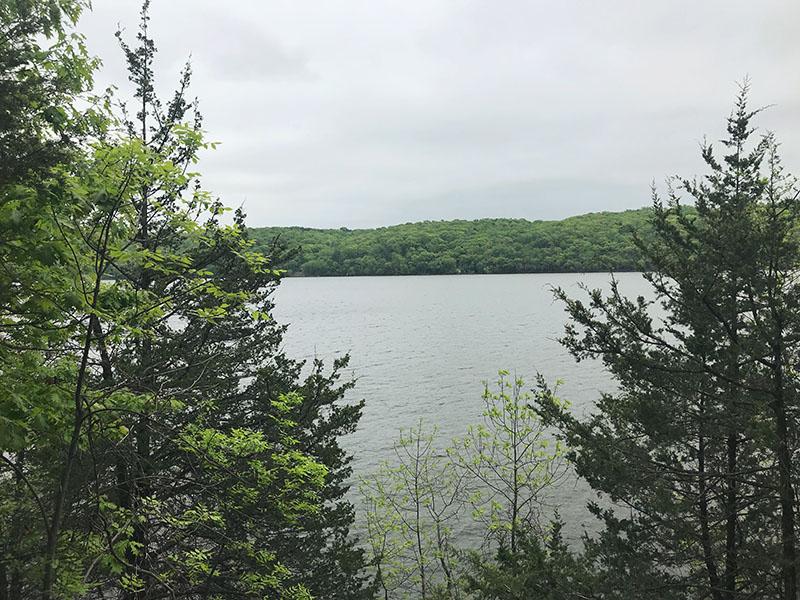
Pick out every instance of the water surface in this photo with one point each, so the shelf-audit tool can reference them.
(421, 346)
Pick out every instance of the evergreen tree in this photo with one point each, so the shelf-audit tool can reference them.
(541, 568)
(223, 364)
(699, 443)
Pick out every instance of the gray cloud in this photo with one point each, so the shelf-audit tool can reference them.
(364, 113)
(236, 49)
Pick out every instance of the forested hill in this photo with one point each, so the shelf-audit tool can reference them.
(591, 242)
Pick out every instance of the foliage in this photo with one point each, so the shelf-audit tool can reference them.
(155, 441)
(507, 461)
(412, 505)
(542, 568)
(700, 441)
(45, 66)
(490, 479)
(593, 242)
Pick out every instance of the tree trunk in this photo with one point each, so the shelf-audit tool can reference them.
(15, 591)
(54, 530)
(705, 536)
(3, 582)
(731, 518)
(785, 487)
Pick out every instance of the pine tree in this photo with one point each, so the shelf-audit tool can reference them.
(699, 442)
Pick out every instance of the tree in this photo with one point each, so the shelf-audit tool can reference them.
(228, 353)
(413, 505)
(507, 461)
(542, 568)
(44, 68)
(494, 476)
(78, 442)
(149, 422)
(700, 440)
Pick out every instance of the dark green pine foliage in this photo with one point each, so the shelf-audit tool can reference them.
(224, 374)
(697, 449)
(540, 569)
(325, 555)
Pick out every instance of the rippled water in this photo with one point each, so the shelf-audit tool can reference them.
(421, 346)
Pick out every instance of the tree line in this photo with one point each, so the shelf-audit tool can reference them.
(586, 243)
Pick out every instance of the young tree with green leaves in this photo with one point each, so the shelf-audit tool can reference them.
(493, 477)
(44, 67)
(700, 441)
(414, 502)
(508, 461)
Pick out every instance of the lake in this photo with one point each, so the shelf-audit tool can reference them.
(421, 346)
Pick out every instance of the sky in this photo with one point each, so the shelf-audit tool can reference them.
(369, 113)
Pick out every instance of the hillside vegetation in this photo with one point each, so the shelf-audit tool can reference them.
(591, 242)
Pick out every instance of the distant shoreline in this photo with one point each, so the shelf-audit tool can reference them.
(302, 276)
(590, 243)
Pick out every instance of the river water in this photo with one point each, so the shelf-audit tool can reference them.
(421, 347)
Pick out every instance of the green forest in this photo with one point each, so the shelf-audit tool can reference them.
(157, 443)
(592, 242)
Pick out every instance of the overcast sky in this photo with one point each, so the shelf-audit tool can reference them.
(365, 113)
